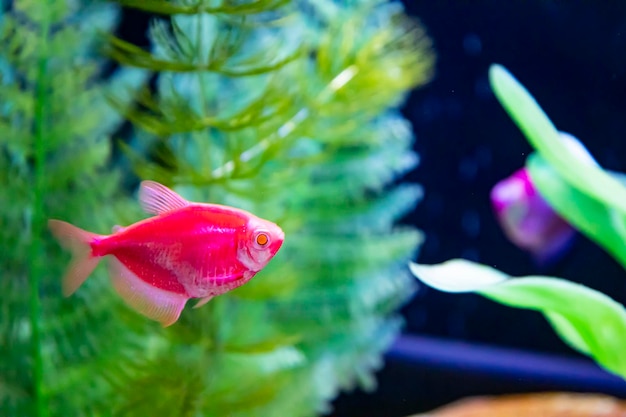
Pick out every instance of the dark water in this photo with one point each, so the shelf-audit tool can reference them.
(572, 57)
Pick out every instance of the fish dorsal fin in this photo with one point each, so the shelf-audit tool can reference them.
(156, 198)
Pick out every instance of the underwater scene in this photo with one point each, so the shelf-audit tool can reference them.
(308, 208)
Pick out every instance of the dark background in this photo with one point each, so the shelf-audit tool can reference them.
(571, 55)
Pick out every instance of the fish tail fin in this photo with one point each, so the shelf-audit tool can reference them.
(83, 263)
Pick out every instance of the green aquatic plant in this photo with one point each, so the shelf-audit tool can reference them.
(55, 124)
(592, 200)
(288, 110)
(585, 319)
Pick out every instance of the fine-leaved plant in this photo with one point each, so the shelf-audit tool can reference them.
(55, 131)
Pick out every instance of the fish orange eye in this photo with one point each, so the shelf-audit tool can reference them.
(262, 239)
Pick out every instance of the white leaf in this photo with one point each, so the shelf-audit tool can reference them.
(457, 275)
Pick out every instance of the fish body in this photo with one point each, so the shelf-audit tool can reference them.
(188, 250)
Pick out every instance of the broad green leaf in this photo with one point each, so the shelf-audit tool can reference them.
(543, 136)
(587, 320)
(466, 276)
(599, 222)
(568, 331)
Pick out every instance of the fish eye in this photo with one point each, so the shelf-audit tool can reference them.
(262, 239)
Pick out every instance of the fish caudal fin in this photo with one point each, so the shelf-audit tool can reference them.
(78, 242)
(154, 303)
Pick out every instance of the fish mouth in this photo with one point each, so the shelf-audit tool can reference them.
(278, 237)
(278, 242)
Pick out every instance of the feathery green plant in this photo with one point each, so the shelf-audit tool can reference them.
(55, 125)
(286, 109)
(589, 198)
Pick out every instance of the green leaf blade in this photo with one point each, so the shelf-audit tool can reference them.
(588, 215)
(586, 319)
(543, 136)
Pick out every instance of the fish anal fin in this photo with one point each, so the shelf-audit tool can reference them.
(156, 198)
(203, 301)
(154, 303)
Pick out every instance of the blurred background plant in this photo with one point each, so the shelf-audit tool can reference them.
(286, 109)
(54, 162)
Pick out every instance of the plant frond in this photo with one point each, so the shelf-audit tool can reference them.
(178, 116)
(373, 216)
(53, 163)
(128, 54)
(196, 7)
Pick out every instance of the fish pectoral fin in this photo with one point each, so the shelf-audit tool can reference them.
(156, 198)
(154, 303)
(203, 301)
(117, 228)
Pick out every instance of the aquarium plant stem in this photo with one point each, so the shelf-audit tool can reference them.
(37, 227)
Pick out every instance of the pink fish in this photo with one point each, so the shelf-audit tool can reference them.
(188, 250)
